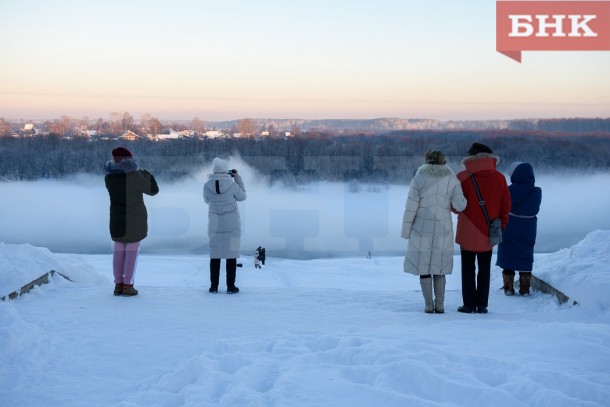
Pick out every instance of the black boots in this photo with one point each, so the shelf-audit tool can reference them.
(508, 277)
(466, 310)
(231, 270)
(215, 276)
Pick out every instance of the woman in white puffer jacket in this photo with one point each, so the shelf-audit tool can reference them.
(428, 225)
(222, 192)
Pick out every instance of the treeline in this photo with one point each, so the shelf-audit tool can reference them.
(392, 157)
(575, 125)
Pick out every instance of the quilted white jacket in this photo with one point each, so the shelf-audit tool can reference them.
(427, 221)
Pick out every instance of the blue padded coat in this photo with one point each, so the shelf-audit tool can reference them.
(516, 252)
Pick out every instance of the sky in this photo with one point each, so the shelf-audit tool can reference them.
(230, 59)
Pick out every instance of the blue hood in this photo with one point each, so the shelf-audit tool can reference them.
(523, 174)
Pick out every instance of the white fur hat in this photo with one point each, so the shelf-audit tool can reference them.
(220, 166)
(513, 167)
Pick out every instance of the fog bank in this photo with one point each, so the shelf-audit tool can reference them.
(316, 220)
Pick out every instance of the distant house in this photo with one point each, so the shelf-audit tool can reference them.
(29, 129)
(214, 134)
(189, 133)
(287, 134)
(130, 136)
(264, 134)
(173, 135)
(86, 133)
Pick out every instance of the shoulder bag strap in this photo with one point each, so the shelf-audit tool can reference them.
(481, 201)
(217, 187)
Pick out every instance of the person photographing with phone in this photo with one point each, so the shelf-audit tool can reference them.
(126, 183)
(221, 192)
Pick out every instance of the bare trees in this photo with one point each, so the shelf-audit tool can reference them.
(114, 123)
(150, 125)
(155, 125)
(127, 122)
(5, 127)
(246, 127)
(198, 125)
(66, 123)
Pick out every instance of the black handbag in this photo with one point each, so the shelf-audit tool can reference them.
(495, 225)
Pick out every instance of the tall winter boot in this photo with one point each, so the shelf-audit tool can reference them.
(525, 279)
(508, 277)
(439, 294)
(214, 275)
(231, 271)
(426, 289)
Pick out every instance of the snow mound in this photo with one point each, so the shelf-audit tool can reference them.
(582, 272)
(21, 264)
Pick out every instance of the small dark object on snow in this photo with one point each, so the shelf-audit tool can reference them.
(261, 254)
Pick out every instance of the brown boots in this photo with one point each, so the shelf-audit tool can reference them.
(126, 290)
(525, 279)
(129, 291)
(508, 277)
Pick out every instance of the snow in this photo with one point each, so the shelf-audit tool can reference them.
(21, 264)
(324, 332)
(582, 271)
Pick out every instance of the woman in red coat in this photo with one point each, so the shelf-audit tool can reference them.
(472, 229)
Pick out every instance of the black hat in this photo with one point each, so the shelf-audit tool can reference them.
(477, 148)
(121, 153)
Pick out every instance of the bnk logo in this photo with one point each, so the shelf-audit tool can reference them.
(552, 26)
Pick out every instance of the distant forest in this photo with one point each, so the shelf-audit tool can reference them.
(392, 157)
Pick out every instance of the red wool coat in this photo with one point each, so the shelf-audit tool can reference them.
(472, 230)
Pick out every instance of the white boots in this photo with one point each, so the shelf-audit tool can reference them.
(436, 284)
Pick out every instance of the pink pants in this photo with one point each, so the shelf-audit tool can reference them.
(124, 262)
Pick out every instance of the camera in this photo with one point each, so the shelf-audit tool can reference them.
(232, 172)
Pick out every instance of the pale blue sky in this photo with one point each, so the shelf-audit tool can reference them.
(309, 59)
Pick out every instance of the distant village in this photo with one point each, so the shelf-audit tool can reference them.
(240, 130)
(122, 126)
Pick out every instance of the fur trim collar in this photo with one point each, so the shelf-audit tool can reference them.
(435, 170)
(124, 167)
(480, 156)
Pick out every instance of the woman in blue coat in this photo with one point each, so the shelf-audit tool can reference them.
(516, 252)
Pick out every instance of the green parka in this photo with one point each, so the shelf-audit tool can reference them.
(126, 184)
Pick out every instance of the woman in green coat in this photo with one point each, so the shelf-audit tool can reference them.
(126, 185)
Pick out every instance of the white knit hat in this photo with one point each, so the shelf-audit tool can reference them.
(220, 166)
(513, 167)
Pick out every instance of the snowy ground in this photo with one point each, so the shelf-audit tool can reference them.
(328, 332)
